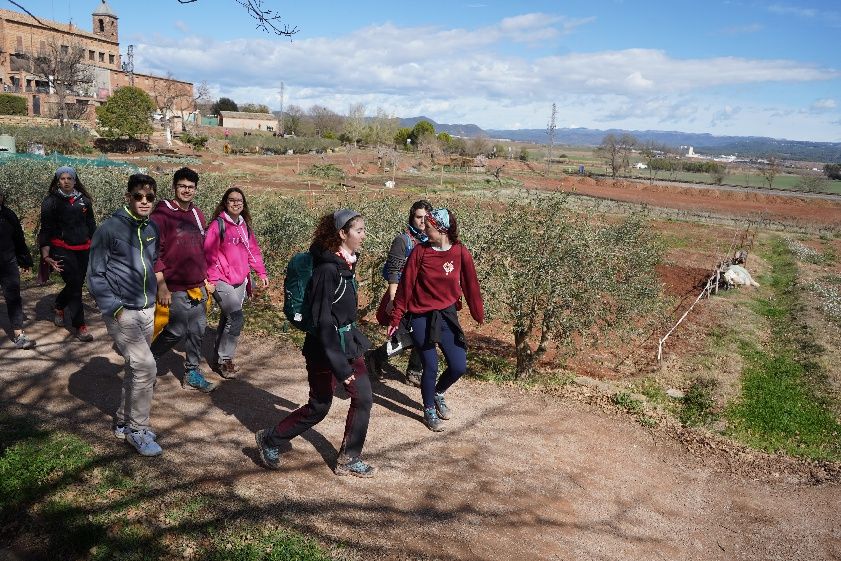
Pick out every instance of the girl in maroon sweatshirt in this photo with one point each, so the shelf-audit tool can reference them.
(436, 276)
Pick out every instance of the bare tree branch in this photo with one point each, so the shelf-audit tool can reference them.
(267, 20)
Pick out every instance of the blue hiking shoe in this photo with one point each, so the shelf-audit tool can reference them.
(441, 406)
(269, 455)
(195, 380)
(355, 467)
(432, 421)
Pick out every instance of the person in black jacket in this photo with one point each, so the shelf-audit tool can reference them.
(14, 257)
(401, 248)
(67, 225)
(333, 348)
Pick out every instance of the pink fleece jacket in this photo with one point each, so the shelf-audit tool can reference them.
(239, 252)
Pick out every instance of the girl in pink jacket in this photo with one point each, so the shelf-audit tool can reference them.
(231, 251)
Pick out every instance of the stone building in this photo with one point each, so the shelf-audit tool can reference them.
(250, 121)
(23, 37)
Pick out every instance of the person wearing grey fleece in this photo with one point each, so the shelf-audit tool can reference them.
(121, 278)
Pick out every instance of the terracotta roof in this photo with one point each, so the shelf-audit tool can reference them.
(247, 115)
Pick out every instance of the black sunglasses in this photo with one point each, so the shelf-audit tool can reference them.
(150, 197)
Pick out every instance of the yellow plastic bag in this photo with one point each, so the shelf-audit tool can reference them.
(196, 294)
(161, 320)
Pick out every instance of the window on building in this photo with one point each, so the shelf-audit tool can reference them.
(101, 24)
(65, 49)
(42, 48)
(101, 57)
(20, 44)
(110, 59)
(91, 55)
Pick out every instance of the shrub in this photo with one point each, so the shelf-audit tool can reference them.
(64, 140)
(127, 113)
(197, 141)
(325, 171)
(264, 142)
(698, 405)
(12, 105)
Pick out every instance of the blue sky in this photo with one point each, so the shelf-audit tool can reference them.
(726, 67)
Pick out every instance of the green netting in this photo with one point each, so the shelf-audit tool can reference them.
(58, 160)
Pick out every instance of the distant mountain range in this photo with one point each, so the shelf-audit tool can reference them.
(744, 146)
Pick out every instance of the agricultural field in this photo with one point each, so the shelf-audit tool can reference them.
(741, 415)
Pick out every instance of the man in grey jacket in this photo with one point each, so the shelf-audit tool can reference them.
(121, 278)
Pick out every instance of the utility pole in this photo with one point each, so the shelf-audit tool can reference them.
(550, 132)
(282, 88)
(128, 64)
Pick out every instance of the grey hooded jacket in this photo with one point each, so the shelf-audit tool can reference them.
(121, 272)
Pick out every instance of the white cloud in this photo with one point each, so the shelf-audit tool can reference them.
(726, 113)
(826, 17)
(454, 73)
(823, 105)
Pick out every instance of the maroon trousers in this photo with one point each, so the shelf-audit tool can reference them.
(322, 385)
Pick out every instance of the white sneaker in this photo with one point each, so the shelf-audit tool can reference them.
(121, 430)
(144, 442)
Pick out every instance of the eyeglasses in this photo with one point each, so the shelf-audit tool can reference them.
(185, 186)
(150, 197)
(235, 201)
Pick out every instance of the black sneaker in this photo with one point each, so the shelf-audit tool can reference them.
(441, 406)
(355, 467)
(374, 364)
(270, 455)
(413, 378)
(432, 421)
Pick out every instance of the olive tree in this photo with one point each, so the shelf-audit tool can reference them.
(560, 278)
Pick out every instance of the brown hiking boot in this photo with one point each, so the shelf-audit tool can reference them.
(227, 369)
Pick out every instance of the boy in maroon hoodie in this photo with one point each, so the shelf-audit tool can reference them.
(181, 272)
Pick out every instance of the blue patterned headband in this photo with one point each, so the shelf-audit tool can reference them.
(439, 219)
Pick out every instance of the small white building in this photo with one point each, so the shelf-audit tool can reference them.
(640, 165)
(250, 121)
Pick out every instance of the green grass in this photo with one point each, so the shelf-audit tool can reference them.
(61, 500)
(784, 404)
(697, 408)
(779, 411)
(33, 461)
(250, 544)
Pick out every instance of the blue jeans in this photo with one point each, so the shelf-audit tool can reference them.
(454, 351)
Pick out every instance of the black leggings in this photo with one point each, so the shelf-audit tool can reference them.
(75, 267)
(10, 279)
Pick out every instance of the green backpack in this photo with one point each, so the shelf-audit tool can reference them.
(296, 291)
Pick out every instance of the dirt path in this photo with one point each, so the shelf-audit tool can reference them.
(516, 475)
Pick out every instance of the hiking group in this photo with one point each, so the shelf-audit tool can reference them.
(153, 264)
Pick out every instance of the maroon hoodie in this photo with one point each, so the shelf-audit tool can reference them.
(181, 253)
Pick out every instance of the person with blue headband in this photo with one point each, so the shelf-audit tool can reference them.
(401, 248)
(67, 226)
(437, 274)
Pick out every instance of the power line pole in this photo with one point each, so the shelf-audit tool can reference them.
(282, 88)
(128, 64)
